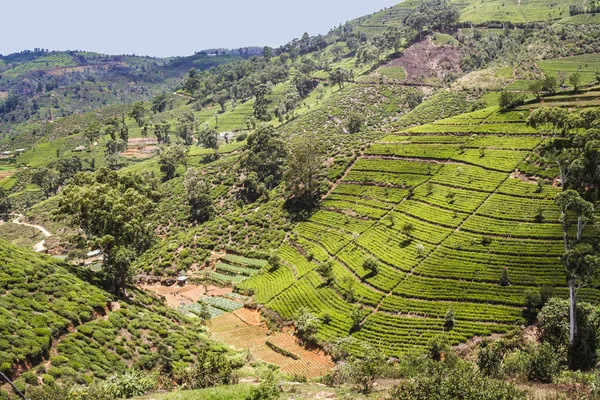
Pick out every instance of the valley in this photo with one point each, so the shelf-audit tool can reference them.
(405, 207)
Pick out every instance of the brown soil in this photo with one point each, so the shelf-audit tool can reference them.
(176, 296)
(426, 60)
(243, 330)
(139, 152)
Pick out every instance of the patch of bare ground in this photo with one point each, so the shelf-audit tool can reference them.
(425, 60)
(176, 296)
(244, 330)
(524, 178)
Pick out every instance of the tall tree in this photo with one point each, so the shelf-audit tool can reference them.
(159, 103)
(169, 159)
(113, 151)
(138, 113)
(367, 54)
(92, 132)
(221, 98)
(340, 76)
(209, 139)
(192, 82)
(303, 169)
(48, 179)
(265, 156)
(198, 196)
(261, 103)
(187, 127)
(162, 130)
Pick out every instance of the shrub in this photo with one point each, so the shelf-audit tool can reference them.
(129, 384)
(489, 358)
(267, 390)
(439, 346)
(543, 364)
(454, 381)
(307, 324)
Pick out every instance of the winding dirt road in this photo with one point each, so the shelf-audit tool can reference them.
(38, 247)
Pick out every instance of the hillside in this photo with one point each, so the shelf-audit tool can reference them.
(406, 205)
(58, 325)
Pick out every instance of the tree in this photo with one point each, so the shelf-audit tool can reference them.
(504, 277)
(265, 155)
(67, 167)
(187, 126)
(302, 173)
(112, 211)
(364, 370)
(355, 122)
(138, 113)
(92, 132)
(340, 76)
(450, 319)
(304, 83)
(5, 205)
(510, 100)
(221, 98)
(170, 159)
(371, 265)
(162, 130)
(261, 103)
(554, 330)
(47, 179)
(393, 35)
(326, 271)
(209, 139)
(267, 52)
(307, 324)
(545, 118)
(159, 103)
(407, 229)
(575, 80)
(113, 151)
(198, 196)
(367, 54)
(192, 82)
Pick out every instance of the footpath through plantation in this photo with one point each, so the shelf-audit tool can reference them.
(427, 233)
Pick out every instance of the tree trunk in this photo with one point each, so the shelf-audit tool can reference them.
(572, 311)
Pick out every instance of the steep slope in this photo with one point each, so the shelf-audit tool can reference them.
(58, 324)
(443, 211)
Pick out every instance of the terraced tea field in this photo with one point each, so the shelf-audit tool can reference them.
(443, 215)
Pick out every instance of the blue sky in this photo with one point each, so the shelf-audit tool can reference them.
(169, 27)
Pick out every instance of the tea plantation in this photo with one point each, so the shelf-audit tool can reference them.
(443, 211)
(56, 324)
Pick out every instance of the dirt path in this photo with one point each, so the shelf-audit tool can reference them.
(38, 247)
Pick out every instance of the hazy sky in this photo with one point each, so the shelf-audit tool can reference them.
(169, 27)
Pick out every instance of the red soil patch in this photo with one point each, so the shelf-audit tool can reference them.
(240, 330)
(426, 60)
(6, 174)
(176, 296)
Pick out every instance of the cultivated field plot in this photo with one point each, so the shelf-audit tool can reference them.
(442, 215)
(586, 65)
(242, 331)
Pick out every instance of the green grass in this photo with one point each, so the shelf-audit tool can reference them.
(587, 65)
(233, 392)
(397, 73)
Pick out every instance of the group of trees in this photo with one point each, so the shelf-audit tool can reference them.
(577, 156)
(112, 211)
